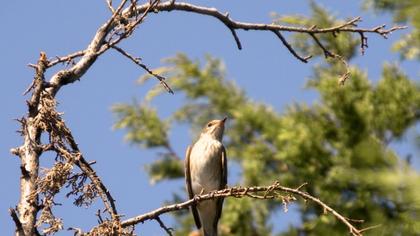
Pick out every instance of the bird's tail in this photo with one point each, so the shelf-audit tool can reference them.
(210, 231)
(208, 217)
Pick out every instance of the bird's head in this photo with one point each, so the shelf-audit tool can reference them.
(215, 129)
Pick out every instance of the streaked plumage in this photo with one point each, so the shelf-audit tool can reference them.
(206, 171)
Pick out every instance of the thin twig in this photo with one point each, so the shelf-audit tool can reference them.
(370, 227)
(130, 28)
(138, 62)
(289, 47)
(163, 226)
(67, 58)
(235, 36)
(363, 42)
(343, 78)
(109, 4)
(327, 53)
(18, 224)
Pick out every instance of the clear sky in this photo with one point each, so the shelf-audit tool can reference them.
(264, 68)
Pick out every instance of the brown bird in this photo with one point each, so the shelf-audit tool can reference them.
(206, 171)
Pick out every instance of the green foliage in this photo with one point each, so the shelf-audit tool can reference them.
(339, 145)
(406, 11)
(165, 168)
(142, 124)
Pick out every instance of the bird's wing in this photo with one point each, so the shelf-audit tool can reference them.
(189, 187)
(224, 168)
(223, 183)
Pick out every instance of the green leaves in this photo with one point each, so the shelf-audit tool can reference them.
(395, 96)
(142, 124)
(169, 167)
(404, 12)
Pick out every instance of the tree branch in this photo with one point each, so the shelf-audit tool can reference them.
(258, 192)
(138, 62)
(328, 54)
(29, 154)
(18, 224)
(163, 226)
(122, 16)
(349, 26)
(69, 58)
(75, 156)
(289, 47)
(90, 55)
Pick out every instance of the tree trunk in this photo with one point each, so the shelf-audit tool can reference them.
(28, 203)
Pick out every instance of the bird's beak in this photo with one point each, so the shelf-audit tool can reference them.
(224, 119)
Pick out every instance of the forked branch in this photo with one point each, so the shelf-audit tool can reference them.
(124, 21)
(233, 25)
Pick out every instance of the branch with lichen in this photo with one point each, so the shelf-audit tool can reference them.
(45, 119)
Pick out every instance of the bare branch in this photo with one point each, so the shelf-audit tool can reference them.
(138, 62)
(363, 42)
(328, 54)
(129, 17)
(349, 26)
(235, 36)
(18, 224)
(29, 153)
(110, 7)
(289, 47)
(62, 141)
(163, 226)
(37, 84)
(105, 195)
(69, 58)
(90, 55)
(268, 192)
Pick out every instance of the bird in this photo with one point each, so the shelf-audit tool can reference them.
(206, 171)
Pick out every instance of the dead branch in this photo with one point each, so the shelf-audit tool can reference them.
(163, 226)
(29, 154)
(289, 47)
(258, 192)
(69, 58)
(329, 54)
(138, 62)
(349, 26)
(60, 135)
(232, 25)
(124, 21)
(18, 224)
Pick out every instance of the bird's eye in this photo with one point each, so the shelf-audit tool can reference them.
(209, 124)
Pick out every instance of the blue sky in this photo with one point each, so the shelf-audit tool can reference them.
(264, 69)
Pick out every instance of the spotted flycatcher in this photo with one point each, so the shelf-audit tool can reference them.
(206, 171)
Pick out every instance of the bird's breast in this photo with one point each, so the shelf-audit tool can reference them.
(206, 166)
